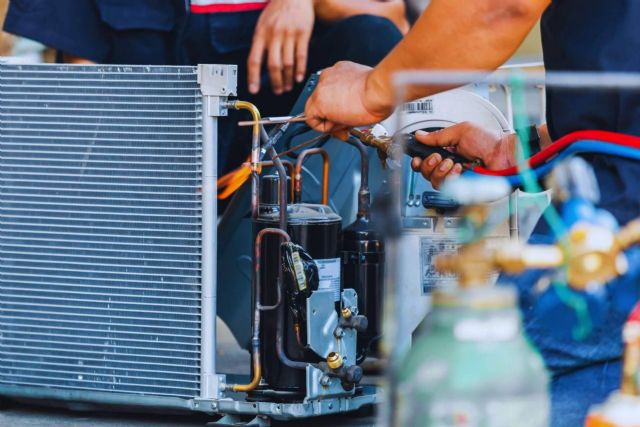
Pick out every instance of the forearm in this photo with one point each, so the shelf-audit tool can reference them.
(479, 35)
(73, 59)
(545, 138)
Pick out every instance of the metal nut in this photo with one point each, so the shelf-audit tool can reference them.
(325, 381)
(334, 360)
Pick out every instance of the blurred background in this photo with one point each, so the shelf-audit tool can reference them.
(22, 49)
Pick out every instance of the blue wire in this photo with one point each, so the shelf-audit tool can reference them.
(587, 146)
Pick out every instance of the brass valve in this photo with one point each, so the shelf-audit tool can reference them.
(334, 360)
(592, 254)
(631, 359)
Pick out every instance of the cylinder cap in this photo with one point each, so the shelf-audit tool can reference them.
(270, 189)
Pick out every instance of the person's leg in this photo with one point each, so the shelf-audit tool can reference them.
(572, 394)
(364, 39)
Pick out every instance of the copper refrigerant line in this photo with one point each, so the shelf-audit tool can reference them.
(255, 149)
(364, 196)
(325, 174)
(289, 168)
(258, 308)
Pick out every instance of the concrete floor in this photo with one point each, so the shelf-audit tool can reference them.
(28, 416)
(231, 359)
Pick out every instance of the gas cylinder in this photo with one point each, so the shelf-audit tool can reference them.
(471, 365)
(622, 408)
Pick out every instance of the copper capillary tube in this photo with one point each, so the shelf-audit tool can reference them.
(325, 174)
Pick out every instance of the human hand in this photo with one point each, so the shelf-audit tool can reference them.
(346, 96)
(283, 32)
(496, 150)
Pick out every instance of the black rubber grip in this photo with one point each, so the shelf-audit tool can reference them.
(414, 148)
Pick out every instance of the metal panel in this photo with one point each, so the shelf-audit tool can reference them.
(100, 228)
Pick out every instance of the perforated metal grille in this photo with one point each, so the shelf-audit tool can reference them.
(100, 227)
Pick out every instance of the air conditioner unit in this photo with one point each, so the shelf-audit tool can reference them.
(108, 239)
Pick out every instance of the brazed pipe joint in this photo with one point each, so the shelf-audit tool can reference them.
(325, 174)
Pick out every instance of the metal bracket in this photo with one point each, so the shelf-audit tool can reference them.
(322, 320)
(322, 324)
(231, 420)
(215, 106)
(320, 386)
(350, 300)
(218, 80)
(325, 336)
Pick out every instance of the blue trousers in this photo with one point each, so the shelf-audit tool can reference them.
(582, 350)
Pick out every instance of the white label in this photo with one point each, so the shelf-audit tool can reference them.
(299, 271)
(493, 329)
(430, 247)
(329, 275)
(424, 106)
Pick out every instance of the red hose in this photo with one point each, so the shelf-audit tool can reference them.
(634, 316)
(564, 142)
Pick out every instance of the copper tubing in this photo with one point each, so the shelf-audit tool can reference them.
(364, 197)
(630, 365)
(298, 331)
(255, 339)
(255, 150)
(257, 256)
(631, 358)
(287, 164)
(255, 380)
(325, 174)
(267, 146)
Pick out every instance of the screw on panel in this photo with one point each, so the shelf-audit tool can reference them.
(325, 381)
